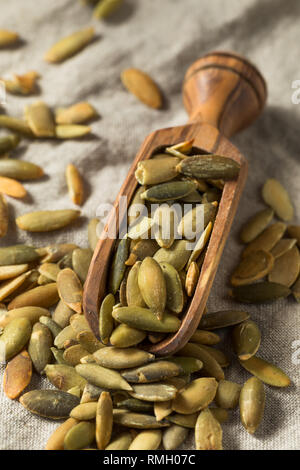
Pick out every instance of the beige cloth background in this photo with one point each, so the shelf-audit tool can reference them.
(162, 38)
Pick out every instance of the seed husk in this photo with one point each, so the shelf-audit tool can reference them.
(53, 404)
(266, 372)
(286, 268)
(137, 420)
(69, 45)
(76, 114)
(210, 366)
(155, 171)
(104, 420)
(252, 267)
(105, 8)
(121, 442)
(4, 217)
(144, 319)
(67, 333)
(169, 191)
(75, 184)
(16, 125)
(40, 119)
(154, 372)
(196, 220)
(266, 240)
(64, 377)
(102, 377)
(118, 266)
(260, 292)
(188, 365)
(294, 232)
(205, 337)
(70, 289)
(228, 394)
(147, 440)
(15, 336)
(174, 436)
(209, 166)
(8, 38)
(79, 436)
(284, 245)
(252, 404)
(17, 375)
(41, 296)
(39, 346)
(18, 254)
(177, 255)
(51, 325)
(73, 354)
(11, 187)
(88, 341)
(256, 225)
(152, 285)
(276, 196)
(106, 323)
(192, 277)
(197, 395)
(121, 358)
(31, 313)
(175, 297)
(142, 86)
(222, 319)
(46, 221)
(246, 339)
(296, 290)
(81, 259)
(208, 432)
(125, 336)
(56, 440)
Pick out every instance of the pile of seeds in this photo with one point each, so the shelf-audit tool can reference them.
(271, 251)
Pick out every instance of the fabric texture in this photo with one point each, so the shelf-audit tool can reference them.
(163, 39)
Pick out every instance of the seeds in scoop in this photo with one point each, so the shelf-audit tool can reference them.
(137, 206)
(208, 432)
(42, 296)
(260, 292)
(11, 187)
(46, 221)
(209, 166)
(115, 358)
(294, 232)
(16, 125)
(69, 45)
(137, 420)
(146, 440)
(205, 337)
(79, 436)
(39, 346)
(252, 267)
(266, 372)
(256, 225)
(102, 377)
(17, 375)
(106, 322)
(56, 440)
(64, 377)
(104, 420)
(75, 184)
(246, 339)
(196, 220)
(252, 404)
(182, 149)
(142, 86)
(154, 372)
(7, 38)
(53, 404)
(105, 8)
(125, 336)
(31, 313)
(195, 396)
(174, 436)
(175, 296)
(164, 219)
(210, 366)
(40, 119)
(284, 245)
(169, 191)
(3, 216)
(70, 289)
(192, 277)
(222, 319)
(228, 394)
(275, 195)
(118, 266)
(121, 442)
(266, 240)
(286, 268)
(199, 247)
(133, 293)
(15, 336)
(144, 319)
(152, 285)
(76, 114)
(155, 171)
(177, 255)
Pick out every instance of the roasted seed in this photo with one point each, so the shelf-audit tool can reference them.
(17, 254)
(22, 84)
(228, 394)
(144, 319)
(56, 440)
(70, 289)
(146, 440)
(142, 86)
(42, 296)
(192, 277)
(73, 354)
(104, 420)
(31, 313)
(11, 187)
(46, 221)
(152, 285)
(205, 337)
(76, 114)
(102, 377)
(155, 171)
(64, 377)
(40, 119)
(188, 365)
(195, 396)
(169, 191)
(284, 245)
(252, 404)
(115, 358)
(125, 336)
(118, 266)
(53, 404)
(210, 366)
(11, 285)
(105, 8)
(51, 325)
(154, 372)
(246, 339)
(121, 442)
(164, 219)
(133, 404)
(16, 125)
(222, 319)
(69, 45)
(17, 375)
(187, 421)
(39, 346)
(208, 432)
(75, 184)
(175, 296)
(252, 267)
(106, 322)
(137, 420)
(7, 38)
(294, 232)
(256, 225)
(15, 336)
(91, 393)
(275, 195)
(94, 232)
(286, 268)
(84, 411)
(200, 246)
(79, 436)
(81, 259)
(177, 255)
(68, 333)
(267, 239)
(260, 292)
(174, 436)
(209, 166)
(266, 372)
(196, 220)
(88, 341)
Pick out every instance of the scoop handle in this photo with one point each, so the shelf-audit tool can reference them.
(225, 90)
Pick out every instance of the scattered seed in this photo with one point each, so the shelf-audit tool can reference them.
(277, 197)
(252, 404)
(266, 372)
(17, 375)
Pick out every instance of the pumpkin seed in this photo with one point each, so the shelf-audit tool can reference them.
(152, 285)
(186, 421)
(121, 442)
(217, 354)
(11, 285)
(17, 375)
(105, 8)
(39, 346)
(155, 171)
(106, 322)
(133, 293)
(50, 270)
(164, 219)
(91, 393)
(125, 336)
(147, 440)
(142, 86)
(137, 420)
(144, 319)
(68, 333)
(192, 277)
(155, 338)
(209, 166)
(137, 206)
(58, 356)
(73, 354)
(81, 259)
(220, 414)
(40, 119)
(79, 436)
(102, 377)
(205, 337)
(94, 231)
(56, 440)
(25, 84)
(266, 372)
(177, 255)
(46, 221)
(182, 148)
(18, 254)
(133, 404)
(88, 341)
(275, 195)
(141, 250)
(222, 319)
(162, 409)
(154, 392)
(118, 266)
(211, 195)
(154, 372)
(199, 247)
(31, 313)
(252, 267)
(169, 191)
(76, 114)
(115, 358)
(261, 292)
(11, 187)
(252, 404)
(246, 339)
(266, 240)
(284, 245)
(53, 404)
(75, 184)
(3, 216)
(208, 432)
(41, 296)
(79, 323)
(188, 365)
(174, 436)
(196, 220)
(7, 38)
(64, 376)
(195, 396)
(175, 297)
(294, 232)
(256, 225)
(210, 366)
(69, 45)
(54, 253)
(16, 125)
(295, 291)
(286, 268)
(104, 420)
(228, 394)
(51, 325)
(193, 197)
(70, 289)
(15, 336)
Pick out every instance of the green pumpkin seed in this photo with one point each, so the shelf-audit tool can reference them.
(81, 259)
(121, 442)
(217, 354)
(50, 270)
(137, 420)
(56, 440)
(40, 119)
(188, 365)
(154, 392)
(210, 366)
(16, 125)
(58, 356)
(209, 166)
(208, 432)
(106, 322)
(155, 171)
(42, 296)
(7, 38)
(31, 313)
(162, 409)
(88, 341)
(15, 336)
(295, 292)
(196, 220)
(118, 266)
(141, 228)
(79, 436)
(169, 191)
(174, 436)
(18, 254)
(266, 372)
(9, 142)
(70, 289)
(104, 420)
(62, 314)
(177, 255)
(79, 323)
(53, 404)
(94, 232)
(260, 292)
(91, 393)
(228, 394)
(266, 240)
(175, 297)
(73, 354)
(200, 245)
(54, 253)
(39, 346)
(222, 319)
(69, 45)
(256, 225)
(286, 268)
(294, 232)
(195, 396)
(154, 372)
(141, 250)
(205, 337)
(164, 219)
(137, 206)
(125, 336)
(152, 285)
(66, 334)
(284, 245)
(133, 293)
(115, 358)
(186, 420)
(105, 8)
(102, 377)
(4, 216)
(246, 339)
(252, 404)
(144, 319)
(64, 377)
(46, 221)
(51, 324)
(253, 267)
(275, 195)
(147, 440)
(133, 404)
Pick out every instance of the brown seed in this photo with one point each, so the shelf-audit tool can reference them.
(266, 240)
(142, 86)
(40, 119)
(56, 440)
(76, 114)
(252, 267)
(46, 221)
(39, 346)
(104, 420)
(191, 279)
(275, 195)
(7, 38)
(286, 268)
(41, 296)
(9, 272)
(3, 216)
(11, 187)
(294, 232)
(69, 45)
(252, 404)
(70, 289)
(75, 184)
(208, 432)
(17, 375)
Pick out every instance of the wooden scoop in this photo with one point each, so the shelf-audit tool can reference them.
(223, 93)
